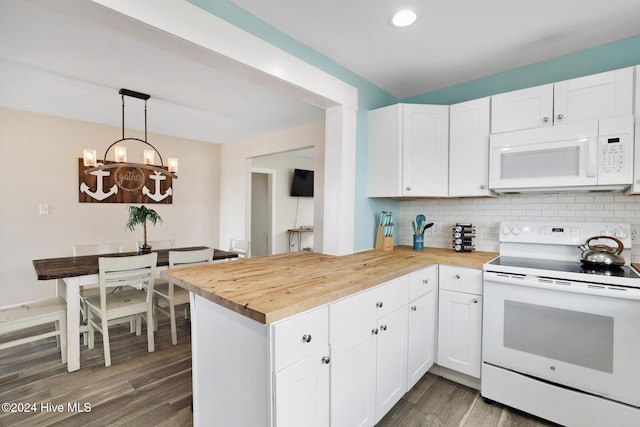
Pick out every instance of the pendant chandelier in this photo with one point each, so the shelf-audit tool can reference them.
(120, 152)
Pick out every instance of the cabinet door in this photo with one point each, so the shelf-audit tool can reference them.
(594, 97)
(459, 332)
(425, 150)
(469, 124)
(421, 342)
(385, 152)
(302, 392)
(522, 109)
(391, 361)
(635, 187)
(353, 380)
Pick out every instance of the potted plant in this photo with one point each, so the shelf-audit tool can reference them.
(140, 215)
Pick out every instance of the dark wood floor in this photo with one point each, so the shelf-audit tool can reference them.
(154, 389)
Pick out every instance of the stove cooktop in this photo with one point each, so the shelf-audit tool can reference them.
(624, 272)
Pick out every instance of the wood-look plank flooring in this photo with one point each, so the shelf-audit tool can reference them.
(154, 389)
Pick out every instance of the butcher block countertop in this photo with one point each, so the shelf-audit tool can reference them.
(268, 289)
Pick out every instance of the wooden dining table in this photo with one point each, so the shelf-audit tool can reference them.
(71, 273)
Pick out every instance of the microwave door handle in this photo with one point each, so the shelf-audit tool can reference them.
(592, 155)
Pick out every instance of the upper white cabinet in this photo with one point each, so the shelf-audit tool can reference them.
(469, 128)
(591, 97)
(635, 186)
(409, 151)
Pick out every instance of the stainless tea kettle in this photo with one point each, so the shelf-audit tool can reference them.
(602, 255)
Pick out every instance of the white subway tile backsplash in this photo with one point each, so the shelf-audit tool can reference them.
(487, 213)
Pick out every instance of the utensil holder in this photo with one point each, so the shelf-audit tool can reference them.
(383, 243)
(418, 242)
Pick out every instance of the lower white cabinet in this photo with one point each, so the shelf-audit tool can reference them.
(303, 392)
(391, 361)
(422, 334)
(460, 319)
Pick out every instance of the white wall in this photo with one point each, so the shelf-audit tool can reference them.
(235, 172)
(287, 207)
(39, 166)
(487, 213)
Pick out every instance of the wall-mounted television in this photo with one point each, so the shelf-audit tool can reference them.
(302, 183)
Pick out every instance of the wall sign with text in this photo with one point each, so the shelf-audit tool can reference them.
(124, 185)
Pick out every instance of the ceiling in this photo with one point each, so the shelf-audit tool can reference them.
(69, 58)
(452, 41)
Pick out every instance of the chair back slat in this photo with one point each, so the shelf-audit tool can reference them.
(97, 249)
(184, 258)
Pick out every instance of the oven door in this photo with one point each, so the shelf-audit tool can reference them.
(559, 156)
(574, 334)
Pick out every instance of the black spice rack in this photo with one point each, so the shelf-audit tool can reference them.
(463, 235)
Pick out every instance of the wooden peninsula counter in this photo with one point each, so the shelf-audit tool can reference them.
(268, 332)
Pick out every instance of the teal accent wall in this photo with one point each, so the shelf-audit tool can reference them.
(611, 56)
(607, 57)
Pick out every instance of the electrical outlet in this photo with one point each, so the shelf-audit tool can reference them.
(634, 234)
(43, 209)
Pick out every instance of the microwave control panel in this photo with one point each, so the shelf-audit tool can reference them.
(615, 151)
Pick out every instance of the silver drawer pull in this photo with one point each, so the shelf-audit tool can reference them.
(379, 304)
(475, 300)
(414, 308)
(425, 281)
(306, 338)
(374, 331)
(457, 276)
(383, 327)
(326, 360)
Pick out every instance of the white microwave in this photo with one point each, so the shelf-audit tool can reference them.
(592, 155)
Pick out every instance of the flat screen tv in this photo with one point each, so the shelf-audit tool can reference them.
(302, 183)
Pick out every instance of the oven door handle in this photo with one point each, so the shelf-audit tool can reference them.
(560, 285)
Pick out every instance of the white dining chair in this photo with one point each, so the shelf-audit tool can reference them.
(92, 289)
(173, 295)
(241, 247)
(158, 244)
(116, 272)
(35, 313)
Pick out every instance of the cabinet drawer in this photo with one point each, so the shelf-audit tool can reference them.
(364, 308)
(298, 337)
(422, 282)
(460, 279)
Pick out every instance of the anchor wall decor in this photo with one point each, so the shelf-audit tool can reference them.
(124, 184)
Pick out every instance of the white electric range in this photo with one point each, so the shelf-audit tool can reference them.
(562, 340)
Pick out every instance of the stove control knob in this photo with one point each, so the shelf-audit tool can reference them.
(606, 233)
(515, 231)
(506, 229)
(620, 234)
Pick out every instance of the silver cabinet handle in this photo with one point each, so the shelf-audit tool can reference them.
(545, 119)
(482, 187)
(383, 327)
(306, 338)
(326, 360)
(425, 281)
(414, 308)
(374, 331)
(379, 304)
(408, 188)
(475, 300)
(457, 276)
(560, 116)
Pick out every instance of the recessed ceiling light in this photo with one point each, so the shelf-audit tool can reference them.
(403, 18)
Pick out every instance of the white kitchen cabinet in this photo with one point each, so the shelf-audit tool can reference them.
(460, 319)
(635, 186)
(368, 336)
(593, 97)
(301, 364)
(302, 392)
(469, 128)
(408, 151)
(423, 286)
(391, 361)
